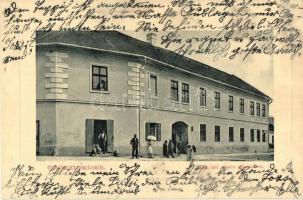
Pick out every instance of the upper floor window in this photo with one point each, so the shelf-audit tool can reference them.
(153, 129)
(252, 108)
(202, 132)
(242, 135)
(217, 100)
(231, 134)
(217, 133)
(258, 109)
(174, 90)
(153, 85)
(202, 97)
(241, 106)
(263, 111)
(99, 78)
(230, 103)
(185, 93)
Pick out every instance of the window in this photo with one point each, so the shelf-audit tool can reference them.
(202, 97)
(271, 127)
(185, 93)
(263, 111)
(231, 134)
(217, 133)
(99, 78)
(153, 85)
(153, 129)
(252, 108)
(264, 136)
(174, 90)
(202, 132)
(230, 103)
(242, 135)
(217, 100)
(252, 135)
(258, 136)
(242, 106)
(258, 109)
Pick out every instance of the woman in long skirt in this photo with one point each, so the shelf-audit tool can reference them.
(149, 149)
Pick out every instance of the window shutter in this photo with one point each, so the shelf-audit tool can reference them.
(158, 132)
(147, 130)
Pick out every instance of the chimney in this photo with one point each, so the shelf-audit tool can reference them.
(151, 38)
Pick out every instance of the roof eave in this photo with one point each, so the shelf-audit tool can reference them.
(154, 60)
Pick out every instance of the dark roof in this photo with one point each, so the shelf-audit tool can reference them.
(116, 41)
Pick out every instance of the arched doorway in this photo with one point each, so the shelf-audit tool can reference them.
(180, 133)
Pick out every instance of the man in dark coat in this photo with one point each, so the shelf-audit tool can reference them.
(165, 154)
(102, 138)
(135, 145)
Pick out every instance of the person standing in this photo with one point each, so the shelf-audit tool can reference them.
(178, 148)
(193, 152)
(165, 154)
(102, 138)
(135, 145)
(171, 149)
(149, 149)
(189, 153)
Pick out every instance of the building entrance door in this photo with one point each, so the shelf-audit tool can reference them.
(180, 134)
(93, 128)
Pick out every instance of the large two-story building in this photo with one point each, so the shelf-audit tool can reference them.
(93, 81)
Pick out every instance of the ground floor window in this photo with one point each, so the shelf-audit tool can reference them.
(264, 136)
(202, 132)
(258, 136)
(231, 134)
(252, 135)
(153, 129)
(217, 133)
(242, 135)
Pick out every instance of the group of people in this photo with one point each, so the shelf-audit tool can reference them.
(168, 149)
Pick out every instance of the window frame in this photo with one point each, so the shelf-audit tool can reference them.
(219, 134)
(203, 130)
(156, 128)
(258, 109)
(258, 135)
(171, 89)
(156, 86)
(242, 106)
(231, 136)
(263, 135)
(183, 97)
(252, 135)
(230, 103)
(263, 110)
(252, 108)
(217, 98)
(242, 135)
(91, 75)
(203, 101)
